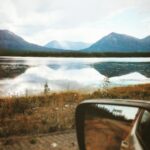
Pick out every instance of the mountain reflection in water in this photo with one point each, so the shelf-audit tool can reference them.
(61, 74)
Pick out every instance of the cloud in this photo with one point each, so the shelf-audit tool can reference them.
(41, 21)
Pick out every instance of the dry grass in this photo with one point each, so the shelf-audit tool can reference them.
(38, 114)
(141, 92)
(55, 111)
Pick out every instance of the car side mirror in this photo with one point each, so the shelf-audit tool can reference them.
(109, 124)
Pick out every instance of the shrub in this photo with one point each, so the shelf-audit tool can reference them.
(33, 141)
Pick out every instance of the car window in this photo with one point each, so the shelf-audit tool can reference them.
(144, 129)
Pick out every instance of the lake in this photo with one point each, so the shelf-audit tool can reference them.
(29, 75)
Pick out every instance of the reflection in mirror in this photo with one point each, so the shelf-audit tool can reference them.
(108, 126)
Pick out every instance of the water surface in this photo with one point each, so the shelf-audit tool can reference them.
(28, 75)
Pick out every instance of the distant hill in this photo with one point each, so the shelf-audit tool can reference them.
(146, 42)
(11, 41)
(67, 45)
(115, 42)
(12, 44)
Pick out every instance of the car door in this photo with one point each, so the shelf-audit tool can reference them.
(143, 130)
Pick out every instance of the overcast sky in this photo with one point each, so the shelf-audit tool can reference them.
(41, 21)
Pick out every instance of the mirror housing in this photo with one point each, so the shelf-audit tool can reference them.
(82, 108)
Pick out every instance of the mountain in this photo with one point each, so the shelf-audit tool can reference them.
(146, 41)
(67, 45)
(115, 42)
(11, 41)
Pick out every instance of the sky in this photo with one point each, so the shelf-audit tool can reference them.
(41, 21)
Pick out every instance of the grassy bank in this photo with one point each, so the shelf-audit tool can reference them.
(55, 111)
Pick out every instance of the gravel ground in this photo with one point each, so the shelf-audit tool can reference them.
(56, 141)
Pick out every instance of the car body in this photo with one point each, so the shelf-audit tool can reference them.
(135, 140)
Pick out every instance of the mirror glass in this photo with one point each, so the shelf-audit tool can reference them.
(106, 127)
